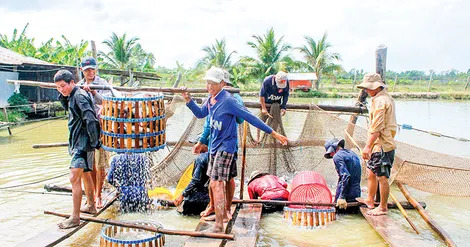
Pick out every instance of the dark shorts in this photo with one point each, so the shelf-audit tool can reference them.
(222, 166)
(82, 160)
(380, 163)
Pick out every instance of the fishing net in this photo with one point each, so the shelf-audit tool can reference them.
(422, 169)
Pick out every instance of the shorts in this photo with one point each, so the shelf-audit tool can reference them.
(195, 203)
(380, 163)
(82, 160)
(101, 158)
(222, 166)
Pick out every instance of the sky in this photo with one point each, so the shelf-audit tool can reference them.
(419, 34)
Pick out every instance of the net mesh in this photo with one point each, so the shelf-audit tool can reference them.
(422, 169)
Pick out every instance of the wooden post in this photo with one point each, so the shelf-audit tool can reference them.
(38, 94)
(443, 234)
(466, 85)
(5, 114)
(430, 81)
(242, 179)
(380, 68)
(395, 83)
(93, 48)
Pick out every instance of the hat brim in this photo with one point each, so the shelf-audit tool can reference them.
(89, 67)
(210, 78)
(371, 85)
(256, 176)
(333, 148)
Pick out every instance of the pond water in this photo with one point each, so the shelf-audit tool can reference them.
(21, 211)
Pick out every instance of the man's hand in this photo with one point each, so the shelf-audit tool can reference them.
(283, 112)
(366, 152)
(88, 89)
(179, 200)
(342, 204)
(282, 139)
(264, 111)
(185, 94)
(199, 148)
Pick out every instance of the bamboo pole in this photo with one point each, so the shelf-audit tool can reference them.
(402, 211)
(242, 179)
(443, 234)
(430, 81)
(148, 228)
(466, 84)
(122, 89)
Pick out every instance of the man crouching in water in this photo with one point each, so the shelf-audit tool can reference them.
(222, 110)
(84, 132)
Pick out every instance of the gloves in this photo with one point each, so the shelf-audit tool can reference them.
(342, 204)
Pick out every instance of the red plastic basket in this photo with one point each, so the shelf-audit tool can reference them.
(309, 186)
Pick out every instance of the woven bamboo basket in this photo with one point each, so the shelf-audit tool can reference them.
(134, 125)
(310, 217)
(114, 236)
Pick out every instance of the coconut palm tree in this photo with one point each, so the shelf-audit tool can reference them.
(121, 51)
(270, 52)
(319, 59)
(217, 55)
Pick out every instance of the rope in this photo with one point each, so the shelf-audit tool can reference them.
(35, 182)
(409, 127)
(38, 192)
(133, 136)
(133, 120)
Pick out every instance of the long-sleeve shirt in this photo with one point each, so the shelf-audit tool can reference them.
(268, 187)
(204, 139)
(84, 127)
(272, 93)
(199, 178)
(383, 120)
(348, 167)
(223, 125)
(98, 97)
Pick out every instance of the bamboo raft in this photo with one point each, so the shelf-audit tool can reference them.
(54, 235)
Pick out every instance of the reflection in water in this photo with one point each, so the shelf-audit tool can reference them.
(21, 214)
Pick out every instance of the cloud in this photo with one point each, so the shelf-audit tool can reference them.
(420, 34)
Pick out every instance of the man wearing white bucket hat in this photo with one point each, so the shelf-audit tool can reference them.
(222, 110)
(380, 146)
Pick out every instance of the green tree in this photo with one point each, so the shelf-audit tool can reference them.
(217, 55)
(120, 53)
(319, 59)
(270, 52)
(19, 43)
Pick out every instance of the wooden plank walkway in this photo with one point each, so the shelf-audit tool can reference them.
(393, 233)
(207, 242)
(55, 235)
(246, 226)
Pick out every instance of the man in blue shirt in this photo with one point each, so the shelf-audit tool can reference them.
(222, 110)
(348, 167)
(275, 89)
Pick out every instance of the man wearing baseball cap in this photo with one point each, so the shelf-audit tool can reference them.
(222, 110)
(275, 89)
(348, 167)
(380, 146)
(89, 68)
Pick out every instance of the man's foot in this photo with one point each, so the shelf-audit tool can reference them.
(217, 229)
(228, 216)
(88, 209)
(69, 223)
(99, 203)
(368, 203)
(377, 211)
(207, 212)
(212, 218)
